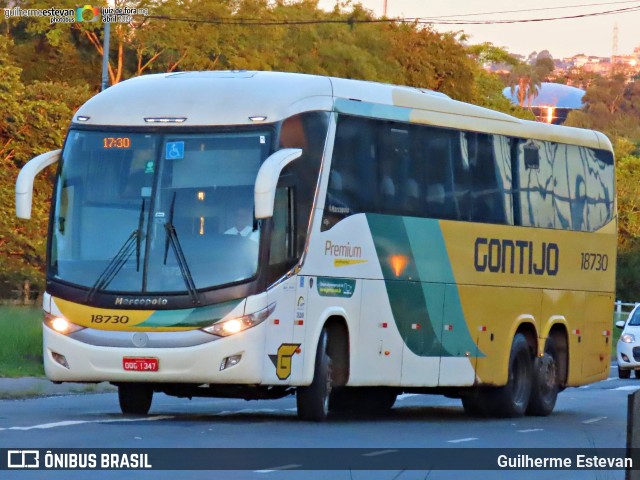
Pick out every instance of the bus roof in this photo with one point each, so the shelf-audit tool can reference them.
(245, 97)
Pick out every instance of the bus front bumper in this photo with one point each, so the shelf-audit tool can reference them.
(69, 360)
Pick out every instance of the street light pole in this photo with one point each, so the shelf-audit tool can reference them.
(105, 57)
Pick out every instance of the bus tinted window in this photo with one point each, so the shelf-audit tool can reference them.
(416, 170)
(536, 189)
(396, 168)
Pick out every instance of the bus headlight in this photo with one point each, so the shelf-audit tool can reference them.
(628, 338)
(235, 325)
(60, 324)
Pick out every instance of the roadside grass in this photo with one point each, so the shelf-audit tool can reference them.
(20, 342)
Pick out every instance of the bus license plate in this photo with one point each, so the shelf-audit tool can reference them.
(140, 364)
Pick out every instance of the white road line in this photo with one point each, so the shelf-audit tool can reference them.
(628, 388)
(379, 452)
(460, 440)
(67, 423)
(407, 395)
(594, 420)
(529, 430)
(283, 467)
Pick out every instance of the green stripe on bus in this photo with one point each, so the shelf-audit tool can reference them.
(421, 286)
(192, 317)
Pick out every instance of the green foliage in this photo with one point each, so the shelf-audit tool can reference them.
(33, 119)
(20, 341)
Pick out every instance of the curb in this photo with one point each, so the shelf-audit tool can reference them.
(30, 387)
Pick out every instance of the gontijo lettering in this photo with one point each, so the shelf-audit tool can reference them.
(516, 256)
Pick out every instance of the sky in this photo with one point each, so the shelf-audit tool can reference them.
(563, 38)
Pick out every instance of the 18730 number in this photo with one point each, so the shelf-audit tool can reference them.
(109, 319)
(594, 261)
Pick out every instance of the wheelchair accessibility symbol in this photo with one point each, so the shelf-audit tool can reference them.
(174, 151)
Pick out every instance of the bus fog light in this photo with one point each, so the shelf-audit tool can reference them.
(229, 362)
(61, 359)
(624, 357)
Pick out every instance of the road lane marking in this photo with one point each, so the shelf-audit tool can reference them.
(66, 423)
(252, 411)
(274, 469)
(594, 420)
(460, 440)
(529, 430)
(379, 452)
(628, 387)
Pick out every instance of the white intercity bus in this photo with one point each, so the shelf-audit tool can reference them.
(259, 234)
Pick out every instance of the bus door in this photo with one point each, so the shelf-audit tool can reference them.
(279, 344)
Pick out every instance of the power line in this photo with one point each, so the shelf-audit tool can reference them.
(418, 20)
(533, 9)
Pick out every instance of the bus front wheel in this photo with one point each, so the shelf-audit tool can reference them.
(135, 398)
(313, 401)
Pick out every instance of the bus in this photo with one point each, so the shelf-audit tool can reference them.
(254, 235)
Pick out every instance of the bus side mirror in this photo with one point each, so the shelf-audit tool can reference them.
(24, 183)
(267, 180)
(620, 323)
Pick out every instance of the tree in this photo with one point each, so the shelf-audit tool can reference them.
(32, 121)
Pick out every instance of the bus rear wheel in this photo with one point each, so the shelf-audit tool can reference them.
(313, 401)
(544, 382)
(135, 398)
(512, 399)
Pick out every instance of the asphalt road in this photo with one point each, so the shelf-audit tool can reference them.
(586, 417)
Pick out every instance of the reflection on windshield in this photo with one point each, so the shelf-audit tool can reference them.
(208, 180)
(635, 319)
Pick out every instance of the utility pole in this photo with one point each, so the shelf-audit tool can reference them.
(105, 57)
(614, 47)
(384, 10)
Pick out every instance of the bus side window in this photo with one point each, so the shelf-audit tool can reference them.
(487, 203)
(599, 185)
(352, 174)
(577, 188)
(561, 197)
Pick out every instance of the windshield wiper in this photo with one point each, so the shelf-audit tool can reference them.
(172, 238)
(131, 244)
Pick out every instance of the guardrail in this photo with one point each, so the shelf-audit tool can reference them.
(628, 306)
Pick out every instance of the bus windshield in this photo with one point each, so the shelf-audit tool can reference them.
(153, 212)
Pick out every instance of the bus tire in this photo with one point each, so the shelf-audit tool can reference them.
(135, 398)
(544, 382)
(512, 399)
(313, 401)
